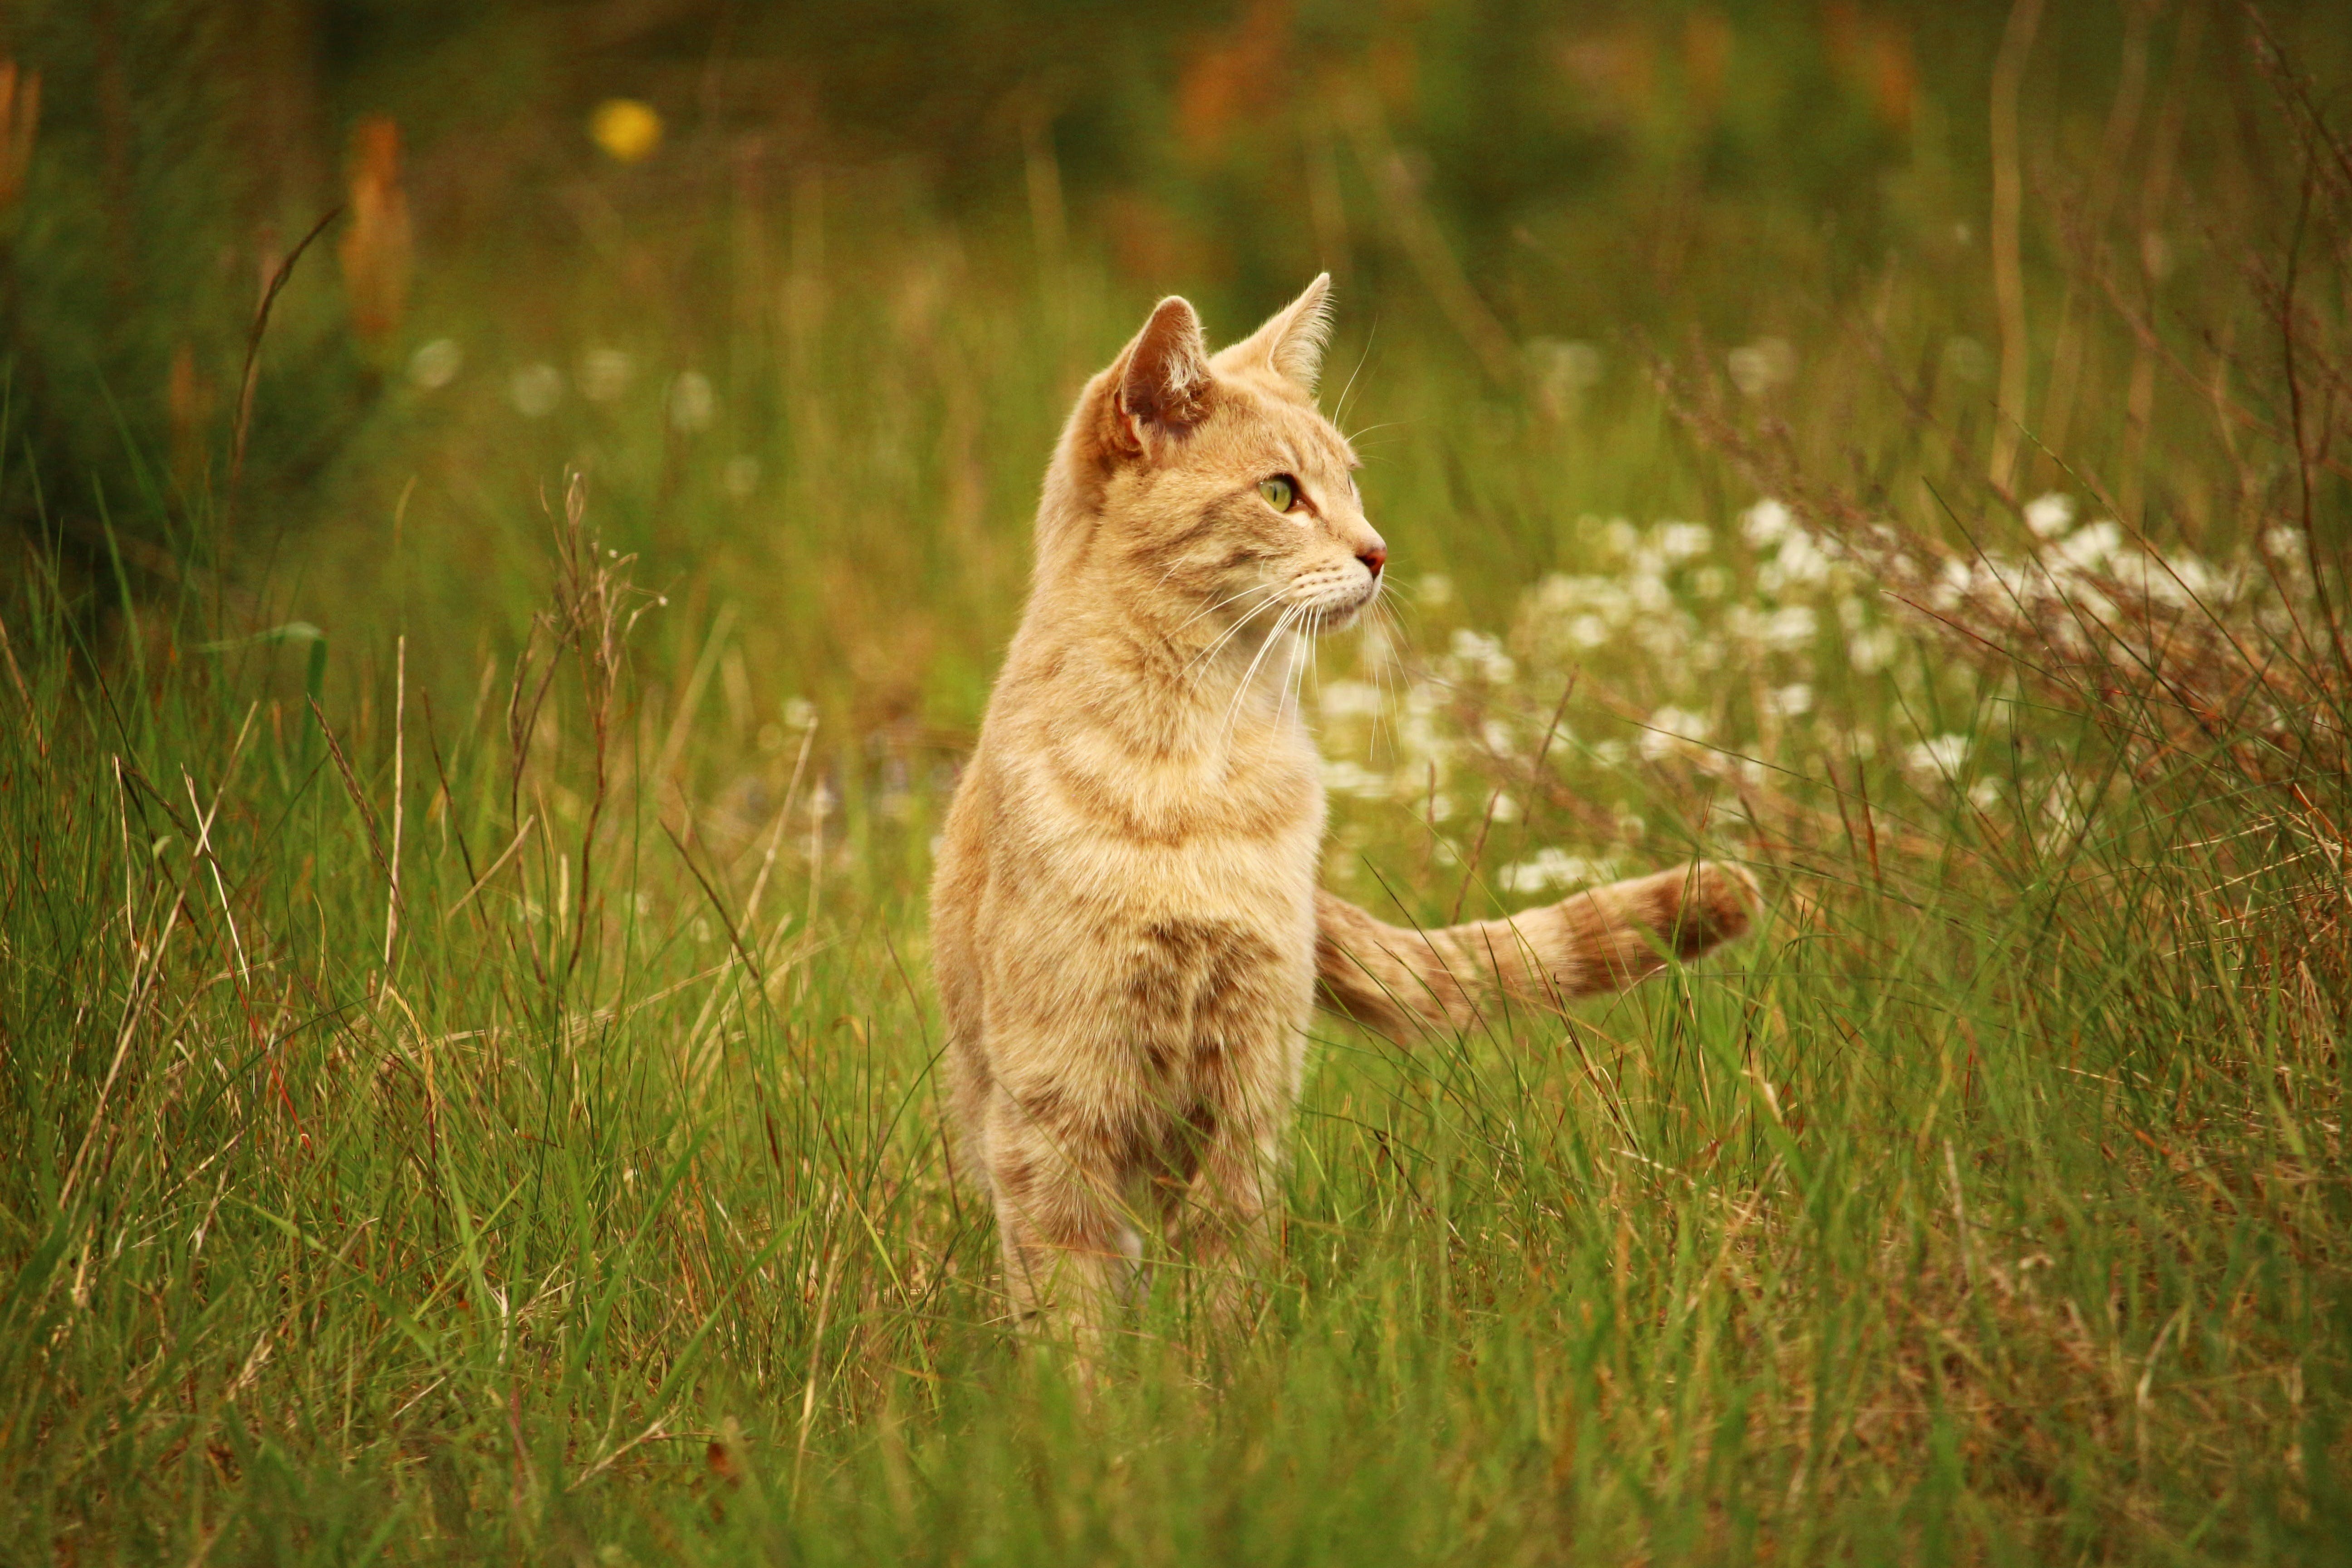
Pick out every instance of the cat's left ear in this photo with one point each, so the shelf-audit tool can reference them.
(1163, 375)
(1293, 339)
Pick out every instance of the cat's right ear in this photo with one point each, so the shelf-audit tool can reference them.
(1164, 383)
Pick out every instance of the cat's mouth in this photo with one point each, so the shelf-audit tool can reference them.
(1327, 601)
(1332, 612)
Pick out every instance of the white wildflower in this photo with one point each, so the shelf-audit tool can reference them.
(1421, 739)
(1666, 638)
(1803, 561)
(437, 364)
(693, 402)
(1347, 778)
(1954, 584)
(2050, 515)
(2089, 549)
(535, 390)
(1671, 729)
(1564, 370)
(1757, 367)
(1942, 755)
(1352, 700)
(1871, 650)
(2193, 580)
(2062, 805)
(1554, 868)
(1790, 626)
(1477, 653)
(1684, 541)
(1766, 523)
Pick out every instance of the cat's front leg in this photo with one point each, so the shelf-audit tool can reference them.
(1225, 1226)
(1227, 1231)
(1058, 1174)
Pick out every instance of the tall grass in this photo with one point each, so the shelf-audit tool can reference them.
(473, 1066)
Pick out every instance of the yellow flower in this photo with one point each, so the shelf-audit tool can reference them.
(626, 128)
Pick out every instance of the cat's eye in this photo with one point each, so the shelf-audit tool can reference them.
(1281, 492)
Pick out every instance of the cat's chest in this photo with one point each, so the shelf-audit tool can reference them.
(1268, 795)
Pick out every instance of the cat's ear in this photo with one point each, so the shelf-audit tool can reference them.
(1163, 381)
(1293, 339)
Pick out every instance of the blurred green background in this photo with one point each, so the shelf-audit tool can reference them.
(808, 316)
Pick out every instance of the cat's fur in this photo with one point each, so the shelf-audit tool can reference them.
(1127, 931)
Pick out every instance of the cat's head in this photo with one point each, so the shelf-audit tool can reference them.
(1208, 487)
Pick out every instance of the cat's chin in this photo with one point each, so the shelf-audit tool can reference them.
(1326, 618)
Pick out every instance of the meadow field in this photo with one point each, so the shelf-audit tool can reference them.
(479, 690)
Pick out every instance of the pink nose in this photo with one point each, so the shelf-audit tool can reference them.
(1375, 558)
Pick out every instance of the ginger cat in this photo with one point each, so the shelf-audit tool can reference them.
(1127, 931)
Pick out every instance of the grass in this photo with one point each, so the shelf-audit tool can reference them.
(473, 1071)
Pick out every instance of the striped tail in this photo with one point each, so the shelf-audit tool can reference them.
(1390, 978)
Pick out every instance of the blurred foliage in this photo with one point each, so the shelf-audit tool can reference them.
(1499, 185)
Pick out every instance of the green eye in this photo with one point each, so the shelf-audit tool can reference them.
(1281, 492)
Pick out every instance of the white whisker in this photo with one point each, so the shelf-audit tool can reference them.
(1240, 692)
(1282, 691)
(1296, 673)
(1231, 632)
(1221, 604)
(1340, 410)
(1386, 678)
(1302, 656)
